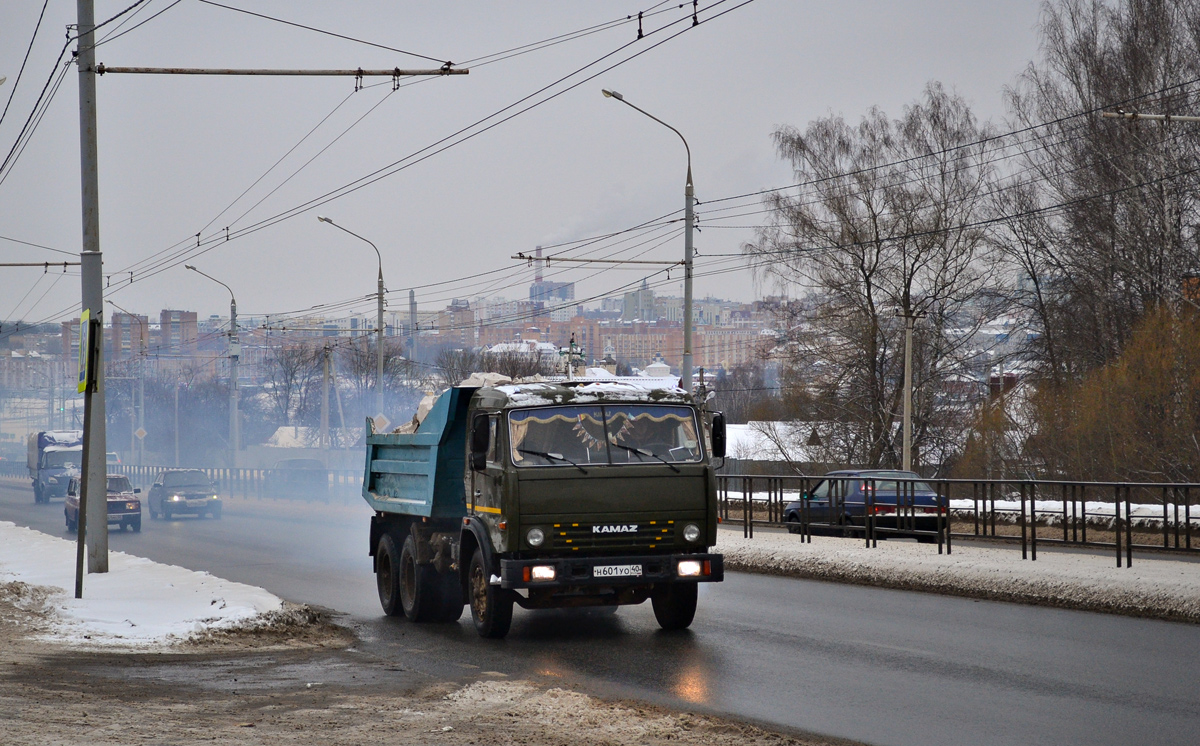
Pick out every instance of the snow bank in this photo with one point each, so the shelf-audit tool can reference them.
(138, 603)
(1153, 587)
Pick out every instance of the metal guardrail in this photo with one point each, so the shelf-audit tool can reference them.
(342, 485)
(1117, 516)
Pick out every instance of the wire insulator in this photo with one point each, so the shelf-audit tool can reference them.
(640, 34)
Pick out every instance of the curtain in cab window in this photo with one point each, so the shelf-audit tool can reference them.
(612, 434)
(557, 436)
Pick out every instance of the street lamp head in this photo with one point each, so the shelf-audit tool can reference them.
(612, 94)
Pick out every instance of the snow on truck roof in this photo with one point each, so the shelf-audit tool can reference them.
(586, 391)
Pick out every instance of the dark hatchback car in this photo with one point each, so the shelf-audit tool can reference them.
(124, 505)
(899, 500)
(298, 478)
(178, 491)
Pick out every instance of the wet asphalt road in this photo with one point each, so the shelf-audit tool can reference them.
(874, 665)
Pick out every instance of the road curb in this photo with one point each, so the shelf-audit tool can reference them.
(1058, 592)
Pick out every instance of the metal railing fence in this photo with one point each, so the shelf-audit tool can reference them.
(341, 485)
(1116, 516)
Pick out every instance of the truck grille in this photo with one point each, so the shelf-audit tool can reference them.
(623, 536)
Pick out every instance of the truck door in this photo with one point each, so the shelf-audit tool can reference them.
(486, 485)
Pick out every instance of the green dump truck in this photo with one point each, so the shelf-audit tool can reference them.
(547, 494)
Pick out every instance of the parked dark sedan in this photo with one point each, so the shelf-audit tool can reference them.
(900, 500)
(298, 478)
(124, 505)
(178, 491)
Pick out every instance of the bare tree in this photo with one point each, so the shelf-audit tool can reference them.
(291, 372)
(1126, 232)
(885, 227)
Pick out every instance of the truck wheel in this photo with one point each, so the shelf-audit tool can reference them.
(418, 585)
(674, 605)
(491, 607)
(37, 493)
(387, 564)
(450, 596)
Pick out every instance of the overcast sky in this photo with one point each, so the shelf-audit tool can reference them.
(176, 151)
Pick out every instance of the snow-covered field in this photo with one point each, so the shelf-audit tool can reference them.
(137, 603)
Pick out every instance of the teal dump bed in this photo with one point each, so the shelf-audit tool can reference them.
(421, 473)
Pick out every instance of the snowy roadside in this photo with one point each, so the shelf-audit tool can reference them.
(137, 604)
(1156, 586)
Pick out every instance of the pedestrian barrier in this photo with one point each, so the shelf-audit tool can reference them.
(1117, 516)
(341, 485)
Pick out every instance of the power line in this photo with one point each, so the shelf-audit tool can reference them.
(327, 33)
(113, 36)
(29, 49)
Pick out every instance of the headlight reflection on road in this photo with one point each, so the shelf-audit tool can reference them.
(691, 684)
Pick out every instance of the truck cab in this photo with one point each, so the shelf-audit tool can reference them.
(548, 494)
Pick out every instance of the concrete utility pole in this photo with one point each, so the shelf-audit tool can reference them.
(234, 351)
(94, 470)
(378, 317)
(325, 441)
(689, 201)
(910, 320)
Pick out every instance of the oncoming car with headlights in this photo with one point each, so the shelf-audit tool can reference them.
(124, 505)
(546, 494)
(177, 491)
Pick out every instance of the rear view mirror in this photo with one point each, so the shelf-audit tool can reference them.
(480, 436)
(137, 490)
(718, 435)
(73, 487)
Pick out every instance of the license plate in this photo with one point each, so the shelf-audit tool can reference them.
(617, 571)
(197, 503)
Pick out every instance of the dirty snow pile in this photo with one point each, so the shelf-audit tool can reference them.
(137, 603)
(1156, 586)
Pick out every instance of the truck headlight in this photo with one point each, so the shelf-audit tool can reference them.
(542, 572)
(691, 532)
(176, 498)
(535, 537)
(688, 568)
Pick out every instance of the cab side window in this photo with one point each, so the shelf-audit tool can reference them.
(493, 454)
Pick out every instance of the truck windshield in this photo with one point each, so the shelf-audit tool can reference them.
(61, 459)
(606, 435)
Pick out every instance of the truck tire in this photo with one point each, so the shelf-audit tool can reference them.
(418, 585)
(387, 565)
(450, 597)
(674, 605)
(37, 493)
(491, 607)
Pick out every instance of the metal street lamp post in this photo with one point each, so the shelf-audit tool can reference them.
(234, 351)
(138, 446)
(379, 316)
(689, 200)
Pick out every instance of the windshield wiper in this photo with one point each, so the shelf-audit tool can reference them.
(640, 452)
(552, 457)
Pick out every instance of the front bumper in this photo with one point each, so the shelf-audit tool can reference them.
(193, 505)
(580, 571)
